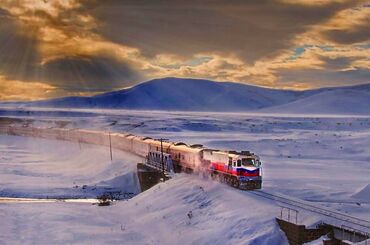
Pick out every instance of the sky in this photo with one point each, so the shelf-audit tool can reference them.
(54, 48)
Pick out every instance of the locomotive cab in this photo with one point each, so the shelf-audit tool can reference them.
(240, 169)
(243, 161)
(248, 169)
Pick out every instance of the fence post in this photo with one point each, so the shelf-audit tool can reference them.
(296, 217)
(342, 233)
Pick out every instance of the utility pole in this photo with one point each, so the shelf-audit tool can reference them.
(162, 158)
(110, 147)
(162, 162)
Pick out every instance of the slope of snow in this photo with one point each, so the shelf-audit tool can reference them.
(40, 168)
(319, 159)
(340, 101)
(363, 194)
(184, 210)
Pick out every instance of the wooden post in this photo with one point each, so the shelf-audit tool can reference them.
(296, 217)
(162, 162)
(110, 148)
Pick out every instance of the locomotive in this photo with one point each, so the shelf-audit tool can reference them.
(239, 169)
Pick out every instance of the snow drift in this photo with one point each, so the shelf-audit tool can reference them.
(46, 168)
(363, 194)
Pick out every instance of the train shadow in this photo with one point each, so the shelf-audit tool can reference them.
(149, 177)
(121, 187)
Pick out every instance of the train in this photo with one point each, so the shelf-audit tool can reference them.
(242, 169)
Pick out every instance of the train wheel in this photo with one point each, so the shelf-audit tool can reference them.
(229, 180)
(236, 183)
(226, 180)
(222, 178)
(213, 175)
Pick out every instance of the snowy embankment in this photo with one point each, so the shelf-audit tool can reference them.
(39, 168)
(184, 210)
(363, 194)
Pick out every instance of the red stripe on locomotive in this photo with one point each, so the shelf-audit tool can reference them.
(235, 171)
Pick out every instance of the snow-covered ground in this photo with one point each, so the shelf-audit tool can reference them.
(38, 168)
(184, 210)
(323, 159)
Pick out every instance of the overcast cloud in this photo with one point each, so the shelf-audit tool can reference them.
(78, 47)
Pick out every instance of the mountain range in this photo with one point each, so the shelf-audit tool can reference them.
(203, 95)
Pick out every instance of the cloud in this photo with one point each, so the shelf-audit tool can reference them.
(349, 26)
(313, 2)
(21, 59)
(82, 46)
(337, 64)
(18, 52)
(13, 90)
(358, 34)
(249, 29)
(322, 78)
(88, 74)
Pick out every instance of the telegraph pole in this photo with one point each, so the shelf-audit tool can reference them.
(110, 148)
(162, 162)
(162, 159)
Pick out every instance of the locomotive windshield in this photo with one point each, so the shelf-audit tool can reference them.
(250, 162)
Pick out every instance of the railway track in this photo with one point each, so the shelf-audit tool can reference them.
(46, 200)
(301, 204)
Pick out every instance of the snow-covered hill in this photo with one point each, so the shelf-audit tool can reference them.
(182, 94)
(339, 101)
(179, 94)
(363, 194)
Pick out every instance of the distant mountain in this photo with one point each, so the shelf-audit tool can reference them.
(181, 94)
(204, 95)
(339, 102)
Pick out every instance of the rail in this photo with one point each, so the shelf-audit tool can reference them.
(314, 208)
